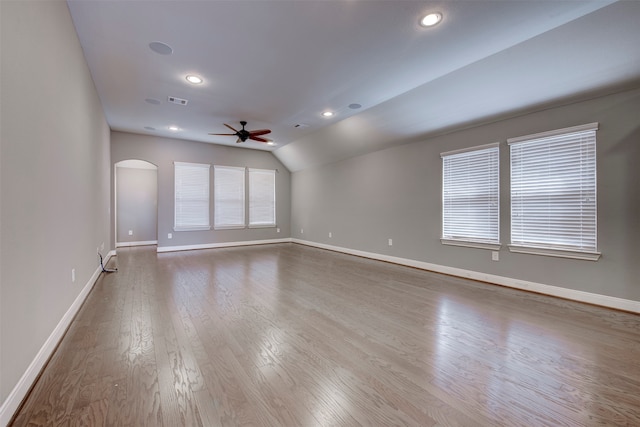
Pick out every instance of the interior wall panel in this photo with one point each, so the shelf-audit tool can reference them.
(396, 194)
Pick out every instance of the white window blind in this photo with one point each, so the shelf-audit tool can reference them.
(471, 196)
(553, 190)
(191, 196)
(262, 198)
(228, 197)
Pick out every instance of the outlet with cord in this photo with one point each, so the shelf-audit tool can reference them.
(104, 269)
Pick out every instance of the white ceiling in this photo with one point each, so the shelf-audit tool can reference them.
(279, 63)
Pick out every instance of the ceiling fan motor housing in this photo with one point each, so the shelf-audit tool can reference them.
(243, 134)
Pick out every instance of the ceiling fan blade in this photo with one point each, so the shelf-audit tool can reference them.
(223, 134)
(230, 128)
(259, 139)
(260, 132)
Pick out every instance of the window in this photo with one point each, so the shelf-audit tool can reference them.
(228, 197)
(262, 198)
(471, 197)
(191, 196)
(553, 193)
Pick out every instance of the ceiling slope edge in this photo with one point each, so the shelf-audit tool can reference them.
(582, 59)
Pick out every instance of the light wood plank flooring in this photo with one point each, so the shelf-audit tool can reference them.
(288, 335)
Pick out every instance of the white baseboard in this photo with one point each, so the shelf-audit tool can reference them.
(556, 291)
(221, 245)
(19, 392)
(143, 243)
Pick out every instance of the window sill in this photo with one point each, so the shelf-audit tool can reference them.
(229, 227)
(193, 228)
(262, 226)
(469, 244)
(560, 253)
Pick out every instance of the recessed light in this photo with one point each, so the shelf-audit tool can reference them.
(161, 48)
(355, 106)
(328, 114)
(149, 128)
(194, 79)
(431, 19)
(174, 128)
(271, 143)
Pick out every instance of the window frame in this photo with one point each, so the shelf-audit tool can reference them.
(558, 249)
(272, 174)
(177, 202)
(216, 193)
(491, 173)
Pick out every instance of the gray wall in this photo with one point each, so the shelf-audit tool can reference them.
(396, 193)
(137, 204)
(162, 152)
(54, 178)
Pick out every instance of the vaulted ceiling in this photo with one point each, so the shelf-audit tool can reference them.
(279, 64)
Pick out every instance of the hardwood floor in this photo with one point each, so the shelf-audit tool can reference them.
(288, 335)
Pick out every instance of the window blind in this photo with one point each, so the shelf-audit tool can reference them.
(471, 195)
(191, 192)
(553, 189)
(228, 196)
(262, 198)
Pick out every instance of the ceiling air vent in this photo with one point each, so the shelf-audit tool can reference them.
(178, 101)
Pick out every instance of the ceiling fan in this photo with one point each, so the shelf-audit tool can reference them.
(243, 134)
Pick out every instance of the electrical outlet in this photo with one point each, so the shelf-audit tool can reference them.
(330, 235)
(390, 242)
(130, 232)
(495, 256)
(302, 231)
(73, 275)
(277, 230)
(169, 236)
